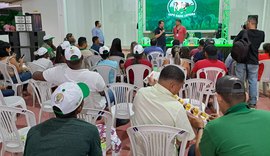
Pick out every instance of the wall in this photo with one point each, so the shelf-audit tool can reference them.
(240, 9)
(51, 14)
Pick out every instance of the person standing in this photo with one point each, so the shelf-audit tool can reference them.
(160, 35)
(98, 32)
(249, 70)
(179, 31)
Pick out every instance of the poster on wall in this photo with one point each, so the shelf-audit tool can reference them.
(194, 14)
(19, 19)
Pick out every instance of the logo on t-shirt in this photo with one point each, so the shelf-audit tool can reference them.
(181, 8)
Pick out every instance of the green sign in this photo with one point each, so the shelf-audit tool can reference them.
(194, 14)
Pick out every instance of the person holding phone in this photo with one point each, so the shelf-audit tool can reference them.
(6, 57)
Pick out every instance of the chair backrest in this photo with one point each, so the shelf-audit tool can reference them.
(123, 94)
(221, 41)
(5, 69)
(157, 140)
(211, 73)
(266, 71)
(117, 58)
(2, 99)
(91, 115)
(33, 67)
(138, 70)
(153, 55)
(146, 40)
(94, 51)
(8, 128)
(157, 62)
(191, 63)
(105, 71)
(180, 67)
(92, 60)
(42, 90)
(197, 89)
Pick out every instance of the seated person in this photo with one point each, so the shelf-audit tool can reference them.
(48, 44)
(116, 48)
(210, 61)
(72, 72)
(60, 52)
(42, 58)
(153, 47)
(169, 50)
(70, 38)
(200, 55)
(96, 44)
(138, 59)
(264, 56)
(83, 46)
(237, 138)
(6, 57)
(65, 134)
(105, 53)
(132, 45)
(200, 48)
(156, 104)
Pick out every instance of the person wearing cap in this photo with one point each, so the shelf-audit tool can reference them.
(105, 54)
(201, 55)
(48, 44)
(72, 72)
(241, 131)
(42, 58)
(138, 59)
(65, 134)
(60, 52)
(83, 46)
(210, 61)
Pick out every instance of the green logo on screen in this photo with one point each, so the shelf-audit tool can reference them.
(181, 8)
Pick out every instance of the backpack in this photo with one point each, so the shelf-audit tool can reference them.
(240, 48)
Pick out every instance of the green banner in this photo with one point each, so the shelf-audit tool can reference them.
(194, 14)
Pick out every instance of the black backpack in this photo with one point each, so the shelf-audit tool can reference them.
(240, 48)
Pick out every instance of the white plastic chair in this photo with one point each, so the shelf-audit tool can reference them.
(94, 51)
(43, 93)
(146, 41)
(91, 115)
(118, 59)
(191, 63)
(12, 101)
(105, 72)
(156, 140)
(138, 72)
(153, 55)
(33, 67)
(4, 69)
(197, 90)
(12, 137)
(157, 62)
(211, 73)
(123, 94)
(92, 61)
(265, 78)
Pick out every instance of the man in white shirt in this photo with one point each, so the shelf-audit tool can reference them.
(43, 58)
(156, 104)
(72, 72)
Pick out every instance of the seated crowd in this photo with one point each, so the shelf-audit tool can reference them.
(235, 130)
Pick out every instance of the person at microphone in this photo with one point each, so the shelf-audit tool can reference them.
(160, 35)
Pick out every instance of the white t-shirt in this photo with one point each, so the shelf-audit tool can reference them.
(43, 62)
(95, 82)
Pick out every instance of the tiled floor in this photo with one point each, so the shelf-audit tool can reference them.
(263, 103)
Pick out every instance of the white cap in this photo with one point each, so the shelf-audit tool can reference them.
(41, 51)
(72, 51)
(104, 50)
(65, 45)
(48, 37)
(138, 49)
(68, 97)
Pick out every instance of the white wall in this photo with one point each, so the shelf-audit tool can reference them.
(51, 14)
(240, 9)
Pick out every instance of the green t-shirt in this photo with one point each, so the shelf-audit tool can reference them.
(63, 137)
(240, 132)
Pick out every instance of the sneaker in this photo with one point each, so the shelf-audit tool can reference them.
(252, 106)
